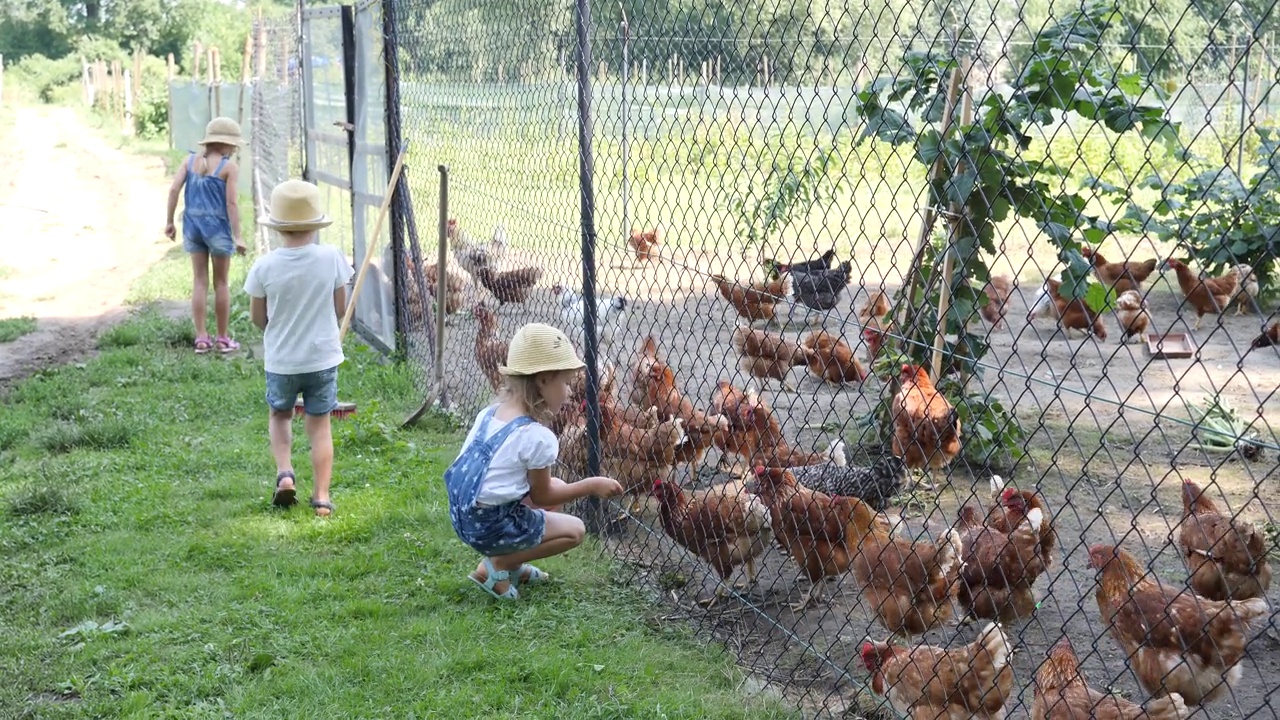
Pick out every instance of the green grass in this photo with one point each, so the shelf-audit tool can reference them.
(146, 575)
(13, 328)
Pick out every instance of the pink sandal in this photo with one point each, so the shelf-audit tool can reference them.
(227, 345)
(203, 344)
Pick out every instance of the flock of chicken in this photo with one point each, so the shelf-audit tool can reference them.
(1184, 644)
(1204, 295)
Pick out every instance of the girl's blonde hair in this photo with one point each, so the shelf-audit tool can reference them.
(524, 388)
(223, 149)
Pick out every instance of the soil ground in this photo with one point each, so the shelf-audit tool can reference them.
(81, 221)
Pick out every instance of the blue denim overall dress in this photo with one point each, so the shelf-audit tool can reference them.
(205, 225)
(491, 530)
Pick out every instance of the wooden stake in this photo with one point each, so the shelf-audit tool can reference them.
(244, 77)
(195, 62)
(372, 246)
(128, 128)
(957, 222)
(926, 225)
(168, 93)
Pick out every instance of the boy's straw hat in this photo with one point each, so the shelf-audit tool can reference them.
(538, 348)
(222, 130)
(295, 207)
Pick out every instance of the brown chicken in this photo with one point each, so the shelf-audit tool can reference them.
(1000, 568)
(1072, 314)
(998, 291)
(509, 286)
(574, 439)
(832, 358)
(1132, 316)
(490, 350)
(646, 243)
(1122, 276)
(455, 288)
(1175, 640)
(933, 683)
(654, 384)
(926, 428)
(1268, 338)
(1226, 557)
(1012, 506)
(817, 531)
(907, 584)
(1206, 295)
(1246, 286)
(875, 308)
(764, 355)
(874, 333)
(755, 435)
(574, 411)
(764, 300)
(1062, 693)
(724, 525)
(636, 456)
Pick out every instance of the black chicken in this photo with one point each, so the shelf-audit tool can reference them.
(822, 262)
(820, 289)
(874, 485)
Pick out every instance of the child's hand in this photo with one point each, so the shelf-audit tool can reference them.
(170, 231)
(604, 487)
(241, 250)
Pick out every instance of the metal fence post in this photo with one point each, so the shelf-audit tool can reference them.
(586, 183)
(442, 281)
(626, 121)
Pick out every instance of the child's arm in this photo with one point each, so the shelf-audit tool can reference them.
(233, 208)
(544, 494)
(340, 301)
(175, 187)
(258, 312)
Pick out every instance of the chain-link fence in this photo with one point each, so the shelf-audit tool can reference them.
(276, 139)
(787, 204)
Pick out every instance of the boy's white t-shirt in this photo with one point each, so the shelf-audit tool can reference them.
(302, 328)
(531, 447)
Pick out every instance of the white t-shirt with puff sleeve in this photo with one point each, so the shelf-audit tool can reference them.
(531, 447)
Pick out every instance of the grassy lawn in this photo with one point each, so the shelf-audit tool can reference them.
(145, 574)
(13, 328)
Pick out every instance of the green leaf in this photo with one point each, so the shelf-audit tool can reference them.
(929, 146)
(1098, 298)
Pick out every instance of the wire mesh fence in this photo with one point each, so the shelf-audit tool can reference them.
(276, 140)
(908, 315)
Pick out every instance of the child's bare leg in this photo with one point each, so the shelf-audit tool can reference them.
(563, 533)
(280, 427)
(200, 291)
(320, 434)
(221, 293)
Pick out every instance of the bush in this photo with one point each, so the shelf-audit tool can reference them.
(44, 76)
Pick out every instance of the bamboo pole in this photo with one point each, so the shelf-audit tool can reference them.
(929, 217)
(372, 245)
(957, 222)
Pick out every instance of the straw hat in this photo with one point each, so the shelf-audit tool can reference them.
(222, 130)
(538, 348)
(295, 207)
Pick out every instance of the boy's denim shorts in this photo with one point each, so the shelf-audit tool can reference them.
(500, 529)
(319, 391)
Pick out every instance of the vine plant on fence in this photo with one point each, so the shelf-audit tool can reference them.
(989, 176)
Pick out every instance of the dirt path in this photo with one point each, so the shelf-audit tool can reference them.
(81, 221)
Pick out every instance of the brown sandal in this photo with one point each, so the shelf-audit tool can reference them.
(326, 505)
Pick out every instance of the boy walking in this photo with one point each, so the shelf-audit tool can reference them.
(297, 293)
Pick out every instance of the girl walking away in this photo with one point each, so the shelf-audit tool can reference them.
(502, 499)
(297, 293)
(210, 226)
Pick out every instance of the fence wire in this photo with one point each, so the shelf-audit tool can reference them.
(276, 140)
(1045, 212)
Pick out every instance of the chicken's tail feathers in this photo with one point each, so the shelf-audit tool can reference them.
(835, 453)
(1249, 611)
(996, 643)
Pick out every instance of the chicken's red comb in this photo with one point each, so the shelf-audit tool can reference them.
(759, 470)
